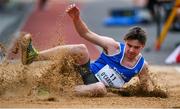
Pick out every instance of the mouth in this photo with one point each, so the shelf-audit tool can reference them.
(131, 54)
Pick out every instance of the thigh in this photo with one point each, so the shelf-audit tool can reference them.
(70, 49)
(78, 52)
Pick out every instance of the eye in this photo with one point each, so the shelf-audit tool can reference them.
(129, 45)
(136, 47)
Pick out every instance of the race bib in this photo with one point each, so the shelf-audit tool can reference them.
(110, 77)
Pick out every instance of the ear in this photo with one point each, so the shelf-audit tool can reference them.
(143, 46)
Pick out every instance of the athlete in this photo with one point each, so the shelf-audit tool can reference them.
(118, 63)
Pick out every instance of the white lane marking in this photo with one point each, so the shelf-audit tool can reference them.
(177, 69)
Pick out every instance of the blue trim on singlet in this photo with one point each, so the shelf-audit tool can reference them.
(114, 61)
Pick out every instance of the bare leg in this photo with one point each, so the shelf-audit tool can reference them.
(78, 52)
(95, 89)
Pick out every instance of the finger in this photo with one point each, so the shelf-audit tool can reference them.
(68, 9)
(73, 4)
(71, 7)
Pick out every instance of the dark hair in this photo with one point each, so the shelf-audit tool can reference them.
(136, 33)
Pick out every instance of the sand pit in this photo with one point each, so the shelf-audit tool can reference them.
(50, 84)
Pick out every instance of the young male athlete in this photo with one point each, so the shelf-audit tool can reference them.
(116, 65)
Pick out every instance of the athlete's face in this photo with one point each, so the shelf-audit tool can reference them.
(133, 48)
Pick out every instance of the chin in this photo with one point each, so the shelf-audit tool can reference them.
(132, 56)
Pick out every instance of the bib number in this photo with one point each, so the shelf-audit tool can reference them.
(110, 77)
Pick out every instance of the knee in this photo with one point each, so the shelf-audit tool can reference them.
(92, 90)
(100, 89)
(82, 50)
(80, 54)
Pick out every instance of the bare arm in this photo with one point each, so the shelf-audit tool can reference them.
(86, 33)
(145, 79)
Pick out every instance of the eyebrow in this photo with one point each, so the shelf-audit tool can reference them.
(133, 45)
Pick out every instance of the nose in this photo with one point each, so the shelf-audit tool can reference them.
(131, 49)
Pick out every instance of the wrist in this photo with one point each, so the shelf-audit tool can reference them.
(76, 18)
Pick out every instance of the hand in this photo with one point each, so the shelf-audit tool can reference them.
(73, 11)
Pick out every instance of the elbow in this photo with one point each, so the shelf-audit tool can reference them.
(84, 34)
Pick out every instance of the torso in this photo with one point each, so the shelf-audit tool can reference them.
(125, 62)
(129, 63)
(120, 64)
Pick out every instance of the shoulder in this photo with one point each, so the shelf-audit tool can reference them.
(110, 43)
(146, 65)
(145, 68)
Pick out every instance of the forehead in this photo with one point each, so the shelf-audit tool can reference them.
(133, 43)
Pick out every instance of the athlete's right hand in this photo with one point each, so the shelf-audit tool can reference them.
(73, 11)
